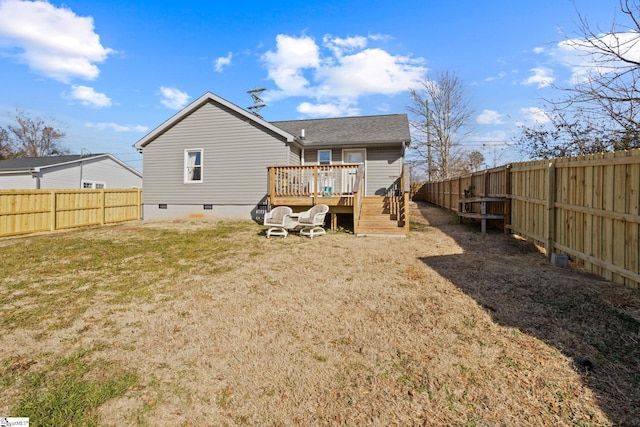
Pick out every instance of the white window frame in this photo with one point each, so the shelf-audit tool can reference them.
(187, 167)
(330, 157)
(362, 150)
(100, 185)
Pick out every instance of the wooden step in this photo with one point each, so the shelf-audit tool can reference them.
(376, 219)
(387, 225)
(366, 231)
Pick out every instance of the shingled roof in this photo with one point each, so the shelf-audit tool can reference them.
(389, 129)
(38, 162)
(25, 164)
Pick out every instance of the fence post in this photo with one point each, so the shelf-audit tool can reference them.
(508, 199)
(551, 209)
(487, 183)
(103, 208)
(139, 200)
(459, 196)
(52, 221)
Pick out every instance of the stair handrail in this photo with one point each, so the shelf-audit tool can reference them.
(405, 188)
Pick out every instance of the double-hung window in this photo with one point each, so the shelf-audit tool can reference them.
(324, 157)
(193, 165)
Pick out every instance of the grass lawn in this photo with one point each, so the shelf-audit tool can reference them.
(210, 323)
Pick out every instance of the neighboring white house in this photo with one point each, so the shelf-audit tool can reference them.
(72, 171)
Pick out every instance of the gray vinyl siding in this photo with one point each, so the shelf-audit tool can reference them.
(294, 156)
(235, 157)
(384, 166)
(311, 156)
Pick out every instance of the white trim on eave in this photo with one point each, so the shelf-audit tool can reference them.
(208, 96)
(71, 162)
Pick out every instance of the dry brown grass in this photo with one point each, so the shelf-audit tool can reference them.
(446, 327)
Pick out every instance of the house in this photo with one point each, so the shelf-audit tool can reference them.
(215, 159)
(70, 171)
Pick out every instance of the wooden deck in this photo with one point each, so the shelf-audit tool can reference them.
(341, 188)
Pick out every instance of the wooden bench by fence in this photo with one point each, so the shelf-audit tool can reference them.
(465, 210)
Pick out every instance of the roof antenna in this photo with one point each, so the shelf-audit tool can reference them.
(257, 101)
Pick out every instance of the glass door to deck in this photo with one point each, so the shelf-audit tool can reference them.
(352, 157)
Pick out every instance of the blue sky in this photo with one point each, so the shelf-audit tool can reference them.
(111, 71)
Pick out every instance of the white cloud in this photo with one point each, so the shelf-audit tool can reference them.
(542, 77)
(369, 71)
(327, 110)
(173, 98)
(337, 73)
(535, 114)
(538, 50)
(499, 76)
(52, 41)
(490, 117)
(583, 59)
(116, 127)
(339, 46)
(222, 62)
(287, 64)
(89, 97)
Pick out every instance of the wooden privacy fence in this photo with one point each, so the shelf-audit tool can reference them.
(587, 207)
(31, 211)
(492, 183)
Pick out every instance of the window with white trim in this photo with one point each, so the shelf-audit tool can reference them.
(193, 165)
(94, 184)
(324, 157)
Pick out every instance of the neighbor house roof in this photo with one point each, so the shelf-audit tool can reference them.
(29, 164)
(207, 97)
(344, 131)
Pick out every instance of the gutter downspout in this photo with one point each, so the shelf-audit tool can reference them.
(35, 173)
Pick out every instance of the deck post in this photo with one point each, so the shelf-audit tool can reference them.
(407, 213)
(272, 185)
(315, 185)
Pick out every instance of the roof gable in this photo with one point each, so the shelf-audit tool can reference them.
(208, 97)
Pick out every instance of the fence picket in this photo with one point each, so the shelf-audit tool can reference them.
(30, 211)
(586, 206)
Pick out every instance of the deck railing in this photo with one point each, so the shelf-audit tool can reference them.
(312, 181)
(339, 186)
(358, 196)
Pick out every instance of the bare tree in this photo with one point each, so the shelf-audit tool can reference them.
(572, 133)
(442, 115)
(5, 148)
(600, 111)
(609, 84)
(475, 161)
(31, 137)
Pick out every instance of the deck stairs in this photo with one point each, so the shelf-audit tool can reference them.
(378, 219)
